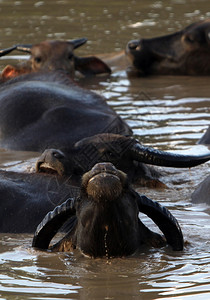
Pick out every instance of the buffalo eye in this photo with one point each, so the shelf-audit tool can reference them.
(109, 154)
(58, 154)
(38, 59)
(189, 38)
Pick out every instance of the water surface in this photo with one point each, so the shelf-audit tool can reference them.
(166, 112)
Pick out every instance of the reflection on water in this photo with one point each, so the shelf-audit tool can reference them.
(167, 112)
(164, 111)
(37, 275)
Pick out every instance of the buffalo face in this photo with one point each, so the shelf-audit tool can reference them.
(53, 56)
(107, 220)
(186, 52)
(52, 161)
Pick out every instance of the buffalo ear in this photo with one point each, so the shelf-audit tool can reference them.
(10, 72)
(91, 65)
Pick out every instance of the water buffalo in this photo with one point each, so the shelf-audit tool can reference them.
(26, 198)
(107, 220)
(48, 110)
(186, 52)
(126, 153)
(55, 55)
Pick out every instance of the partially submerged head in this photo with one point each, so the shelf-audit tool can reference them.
(126, 153)
(55, 55)
(186, 52)
(52, 161)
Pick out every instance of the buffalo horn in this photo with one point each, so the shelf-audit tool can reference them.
(166, 222)
(52, 222)
(152, 156)
(7, 50)
(24, 48)
(78, 42)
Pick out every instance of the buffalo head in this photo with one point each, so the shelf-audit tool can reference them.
(126, 153)
(56, 55)
(186, 52)
(107, 222)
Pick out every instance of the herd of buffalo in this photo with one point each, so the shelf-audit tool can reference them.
(83, 184)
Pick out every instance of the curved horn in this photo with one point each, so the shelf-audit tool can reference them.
(163, 219)
(24, 48)
(7, 50)
(152, 156)
(78, 42)
(49, 226)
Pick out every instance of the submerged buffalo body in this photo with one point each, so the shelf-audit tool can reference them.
(186, 52)
(47, 110)
(26, 198)
(54, 55)
(107, 222)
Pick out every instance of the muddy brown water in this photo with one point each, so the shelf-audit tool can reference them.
(169, 113)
